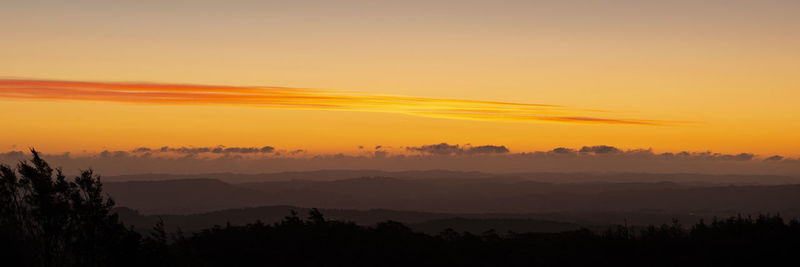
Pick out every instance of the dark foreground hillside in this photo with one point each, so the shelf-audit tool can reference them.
(431, 223)
(320, 242)
(47, 219)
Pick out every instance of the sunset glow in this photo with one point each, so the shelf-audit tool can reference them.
(328, 78)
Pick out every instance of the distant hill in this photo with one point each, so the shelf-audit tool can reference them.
(506, 196)
(183, 196)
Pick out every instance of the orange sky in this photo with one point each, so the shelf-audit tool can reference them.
(716, 75)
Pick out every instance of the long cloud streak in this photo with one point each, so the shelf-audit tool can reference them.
(295, 98)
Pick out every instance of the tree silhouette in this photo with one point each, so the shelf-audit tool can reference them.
(54, 221)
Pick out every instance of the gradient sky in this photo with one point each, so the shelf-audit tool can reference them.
(704, 75)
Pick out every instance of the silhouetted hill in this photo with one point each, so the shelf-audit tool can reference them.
(510, 196)
(428, 222)
(183, 196)
(384, 187)
(369, 200)
(454, 195)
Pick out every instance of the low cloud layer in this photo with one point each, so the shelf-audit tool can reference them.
(312, 99)
(484, 158)
(215, 150)
(185, 151)
(446, 149)
(648, 153)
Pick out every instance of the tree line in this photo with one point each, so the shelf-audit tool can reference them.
(47, 219)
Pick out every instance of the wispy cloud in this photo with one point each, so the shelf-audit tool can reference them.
(297, 98)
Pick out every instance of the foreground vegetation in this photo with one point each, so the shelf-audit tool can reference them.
(49, 220)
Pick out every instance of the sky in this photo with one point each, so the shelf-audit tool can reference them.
(329, 77)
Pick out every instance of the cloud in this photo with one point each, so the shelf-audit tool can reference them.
(437, 149)
(600, 149)
(311, 99)
(563, 150)
(243, 150)
(715, 156)
(774, 158)
(488, 149)
(113, 154)
(446, 149)
(141, 150)
(742, 156)
(14, 154)
(214, 150)
(188, 150)
(606, 151)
